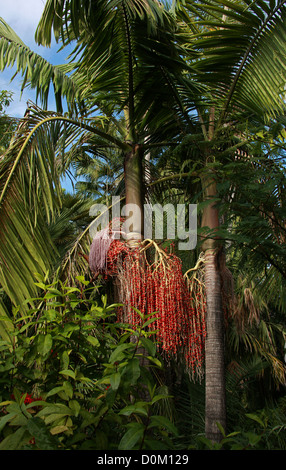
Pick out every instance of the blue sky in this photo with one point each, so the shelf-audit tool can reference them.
(23, 16)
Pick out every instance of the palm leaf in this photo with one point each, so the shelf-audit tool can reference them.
(242, 59)
(126, 57)
(29, 194)
(6, 324)
(35, 70)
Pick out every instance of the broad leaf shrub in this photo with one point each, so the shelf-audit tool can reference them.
(72, 378)
(263, 430)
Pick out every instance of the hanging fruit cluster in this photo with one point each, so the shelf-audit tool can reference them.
(157, 288)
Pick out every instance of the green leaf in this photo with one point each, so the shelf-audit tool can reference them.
(59, 429)
(68, 373)
(163, 422)
(65, 360)
(255, 418)
(155, 361)
(50, 295)
(220, 427)
(54, 391)
(149, 345)
(207, 442)
(253, 438)
(118, 354)
(58, 409)
(51, 315)
(139, 312)
(19, 420)
(131, 437)
(148, 322)
(54, 408)
(45, 343)
(55, 292)
(51, 418)
(69, 290)
(137, 408)
(14, 441)
(40, 432)
(115, 380)
(68, 388)
(82, 280)
(110, 397)
(93, 341)
(132, 371)
(158, 397)
(75, 407)
(5, 419)
(41, 285)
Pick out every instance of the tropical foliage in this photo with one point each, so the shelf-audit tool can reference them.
(86, 381)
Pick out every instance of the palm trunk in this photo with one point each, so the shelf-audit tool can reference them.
(134, 195)
(215, 405)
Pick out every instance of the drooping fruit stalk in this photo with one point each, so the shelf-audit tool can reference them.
(159, 290)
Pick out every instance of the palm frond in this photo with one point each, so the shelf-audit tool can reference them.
(242, 59)
(124, 53)
(31, 193)
(37, 72)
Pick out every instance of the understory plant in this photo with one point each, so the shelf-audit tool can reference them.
(262, 430)
(74, 378)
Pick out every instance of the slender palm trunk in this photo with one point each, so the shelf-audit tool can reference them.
(134, 195)
(215, 405)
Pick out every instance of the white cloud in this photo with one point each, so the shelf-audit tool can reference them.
(23, 16)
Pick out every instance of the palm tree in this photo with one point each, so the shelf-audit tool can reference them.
(245, 81)
(123, 53)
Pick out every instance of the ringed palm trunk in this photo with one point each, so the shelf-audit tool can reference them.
(133, 173)
(215, 405)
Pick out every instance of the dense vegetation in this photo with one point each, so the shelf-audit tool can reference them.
(181, 105)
